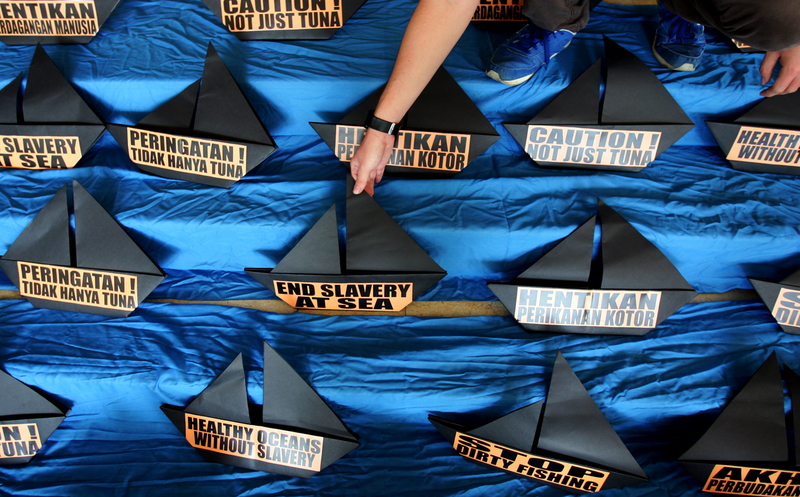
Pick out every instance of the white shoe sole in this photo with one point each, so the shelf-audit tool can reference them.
(514, 82)
(685, 67)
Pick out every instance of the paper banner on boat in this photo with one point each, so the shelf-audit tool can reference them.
(24, 22)
(27, 420)
(283, 19)
(504, 15)
(499, 15)
(54, 128)
(746, 449)
(383, 269)
(98, 270)
(208, 134)
(564, 441)
(628, 290)
(297, 435)
(636, 121)
(766, 139)
(441, 134)
(782, 300)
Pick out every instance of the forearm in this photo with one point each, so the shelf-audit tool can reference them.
(432, 32)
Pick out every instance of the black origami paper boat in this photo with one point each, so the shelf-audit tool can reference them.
(628, 290)
(766, 139)
(299, 435)
(384, 269)
(99, 270)
(441, 134)
(208, 134)
(636, 121)
(27, 420)
(745, 451)
(564, 441)
(53, 21)
(283, 19)
(55, 127)
(782, 299)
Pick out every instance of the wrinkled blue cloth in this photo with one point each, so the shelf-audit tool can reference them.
(384, 375)
(488, 223)
(381, 375)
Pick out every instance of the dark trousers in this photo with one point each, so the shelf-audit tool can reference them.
(766, 24)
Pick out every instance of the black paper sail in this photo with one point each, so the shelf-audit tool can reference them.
(636, 121)
(746, 451)
(283, 19)
(208, 134)
(766, 139)
(564, 441)
(24, 22)
(52, 128)
(297, 435)
(782, 299)
(98, 270)
(441, 134)
(383, 269)
(27, 420)
(629, 290)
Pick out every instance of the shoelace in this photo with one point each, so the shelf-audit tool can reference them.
(535, 36)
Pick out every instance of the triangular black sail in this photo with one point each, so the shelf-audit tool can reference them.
(752, 426)
(375, 242)
(778, 111)
(21, 400)
(177, 114)
(222, 109)
(100, 241)
(516, 429)
(290, 401)
(570, 260)
(793, 380)
(226, 397)
(572, 425)
(317, 252)
(50, 98)
(578, 103)
(46, 239)
(9, 101)
(634, 94)
(630, 261)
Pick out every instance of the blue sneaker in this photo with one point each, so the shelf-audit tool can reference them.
(678, 43)
(515, 61)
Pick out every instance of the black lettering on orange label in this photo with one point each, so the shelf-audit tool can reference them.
(59, 18)
(587, 146)
(515, 461)
(200, 157)
(247, 16)
(595, 308)
(78, 286)
(413, 149)
(39, 152)
(258, 443)
(766, 146)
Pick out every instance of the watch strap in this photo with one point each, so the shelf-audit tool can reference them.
(379, 124)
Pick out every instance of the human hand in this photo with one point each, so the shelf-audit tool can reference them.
(788, 80)
(370, 159)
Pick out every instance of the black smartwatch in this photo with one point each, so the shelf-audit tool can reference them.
(379, 124)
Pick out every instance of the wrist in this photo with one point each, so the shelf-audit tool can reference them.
(378, 124)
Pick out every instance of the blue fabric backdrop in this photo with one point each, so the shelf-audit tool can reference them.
(383, 375)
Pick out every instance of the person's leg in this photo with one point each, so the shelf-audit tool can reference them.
(678, 43)
(772, 25)
(552, 25)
